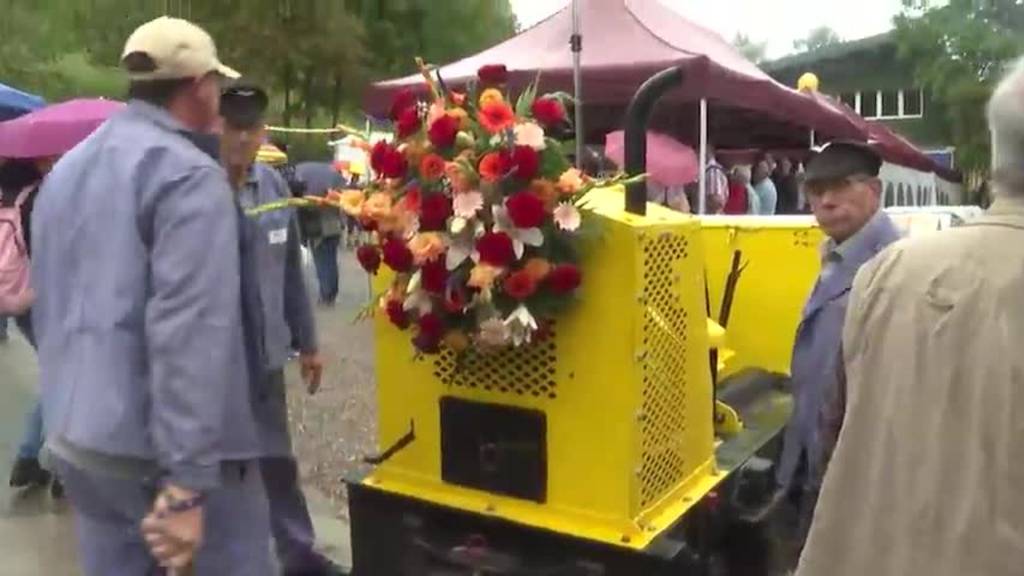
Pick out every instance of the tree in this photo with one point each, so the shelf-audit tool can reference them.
(817, 39)
(753, 51)
(958, 53)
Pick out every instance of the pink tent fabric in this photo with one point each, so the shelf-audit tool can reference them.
(624, 43)
(669, 162)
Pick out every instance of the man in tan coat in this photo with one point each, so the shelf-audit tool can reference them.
(927, 477)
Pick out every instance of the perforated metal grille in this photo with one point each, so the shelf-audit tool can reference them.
(525, 371)
(663, 423)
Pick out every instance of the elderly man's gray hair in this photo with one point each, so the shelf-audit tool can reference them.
(1006, 123)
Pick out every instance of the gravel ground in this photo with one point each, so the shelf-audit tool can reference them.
(334, 429)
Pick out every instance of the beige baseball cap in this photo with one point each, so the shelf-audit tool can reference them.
(174, 48)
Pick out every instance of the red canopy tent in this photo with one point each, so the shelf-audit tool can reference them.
(624, 43)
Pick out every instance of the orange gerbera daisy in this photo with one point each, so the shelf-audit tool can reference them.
(493, 167)
(432, 167)
(496, 116)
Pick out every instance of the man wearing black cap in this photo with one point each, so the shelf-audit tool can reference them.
(844, 193)
(272, 265)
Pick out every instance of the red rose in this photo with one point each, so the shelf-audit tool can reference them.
(548, 111)
(402, 101)
(369, 258)
(411, 200)
(397, 314)
(387, 161)
(526, 162)
(408, 123)
(520, 285)
(455, 300)
(434, 276)
(427, 344)
(397, 255)
(434, 212)
(493, 74)
(431, 331)
(443, 131)
(525, 210)
(564, 278)
(496, 249)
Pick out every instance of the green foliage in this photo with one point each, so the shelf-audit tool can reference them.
(958, 52)
(753, 51)
(315, 56)
(818, 38)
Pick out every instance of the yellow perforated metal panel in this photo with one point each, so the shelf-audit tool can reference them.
(663, 417)
(528, 371)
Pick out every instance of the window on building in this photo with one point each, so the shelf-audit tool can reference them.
(869, 104)
(890, 104)
(850, 99)
(913, 103)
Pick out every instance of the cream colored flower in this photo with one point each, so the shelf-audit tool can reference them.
(351, 202)
(425, 247)
(467, 204)
(377, 206)
(493, 333)
(530, 134)
(482, 276)
(570, 181)
(567, 217)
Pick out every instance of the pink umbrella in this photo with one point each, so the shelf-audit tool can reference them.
(55, 129)
(669, 162)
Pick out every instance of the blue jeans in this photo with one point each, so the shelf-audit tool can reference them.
(325, 257)
(32, 434)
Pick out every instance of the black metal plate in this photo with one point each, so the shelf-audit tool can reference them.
(495, 448)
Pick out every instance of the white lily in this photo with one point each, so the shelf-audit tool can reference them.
(521, 237)
(521, 325)
(467, 204)
(463, 242)
(416, 298)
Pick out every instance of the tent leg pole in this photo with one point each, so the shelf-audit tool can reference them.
(812, 138)
(577, 77)
(702, 177)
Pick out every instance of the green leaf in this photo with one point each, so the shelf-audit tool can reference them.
(552, 161)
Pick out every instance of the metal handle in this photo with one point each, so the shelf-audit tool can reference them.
(635, 138)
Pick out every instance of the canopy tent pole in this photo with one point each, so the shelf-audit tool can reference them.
(702, 177)
(812, 139)
(576, 41)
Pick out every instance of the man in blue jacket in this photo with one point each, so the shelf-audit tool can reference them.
(844, 192)
(141, 331)
(286, 316)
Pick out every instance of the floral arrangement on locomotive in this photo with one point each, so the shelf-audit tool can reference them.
(477, 211)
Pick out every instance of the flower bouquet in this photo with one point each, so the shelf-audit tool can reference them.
(476, 210)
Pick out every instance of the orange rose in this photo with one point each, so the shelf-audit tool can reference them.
(432, 167)
(377, 206)
(493, 167)
(496, 116)
(537, 268)
(426, 247)
(456, 340)
(482, 276)
(570, 181)
(546, 191)
(462, 116)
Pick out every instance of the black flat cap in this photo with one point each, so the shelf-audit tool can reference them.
(842, 159)
(243, 105)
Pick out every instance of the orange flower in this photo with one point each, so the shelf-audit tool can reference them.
(377, 206)
(456, 340)
(482, 276)
(496, 116)
(351, 202)
(520, 285)
(426, 247)
(570, 181)
(432, 167)
(462, 116)
(493, 167)
(537, 268)
(490, 96)
(546, 191)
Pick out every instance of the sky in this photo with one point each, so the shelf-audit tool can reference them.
(777, 22)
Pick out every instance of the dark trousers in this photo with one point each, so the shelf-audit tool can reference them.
(325, 257)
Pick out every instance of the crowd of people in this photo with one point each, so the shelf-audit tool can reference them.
(163, 318)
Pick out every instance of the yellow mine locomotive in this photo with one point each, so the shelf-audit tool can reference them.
(603, 449)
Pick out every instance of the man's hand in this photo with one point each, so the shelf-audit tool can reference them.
(312, 368)
(174, 536)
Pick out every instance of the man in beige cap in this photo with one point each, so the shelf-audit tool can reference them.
(928, 472)
(142, 327)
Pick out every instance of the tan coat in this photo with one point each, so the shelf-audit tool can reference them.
(927, 477)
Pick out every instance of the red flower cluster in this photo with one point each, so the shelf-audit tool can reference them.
(496, 249)
(431, 331)
(526, 162)
(397, 255)
(434, 212)
(525, 210)
(443, 131)
(369, 258)
(434, 276)
(493, 74)
(564, 278)
(520, 285)
(397, 314)
(403, 100)
(387, 161)
(548, 111)
(407, 123)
